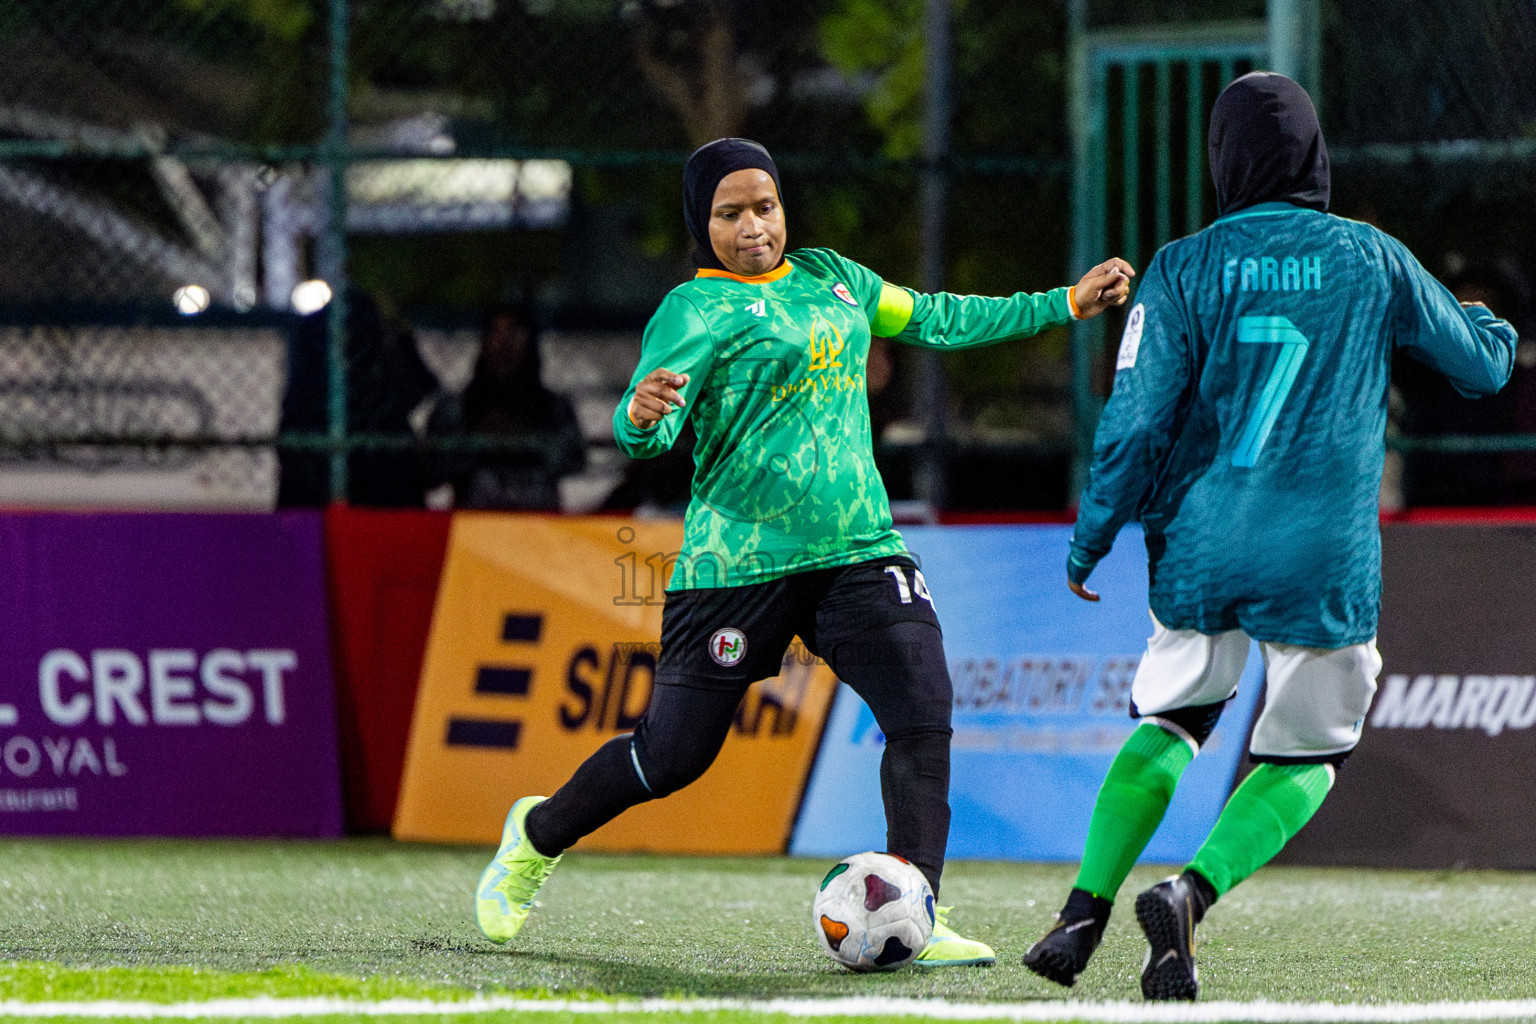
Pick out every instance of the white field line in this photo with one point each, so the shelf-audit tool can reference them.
(1262, 1011)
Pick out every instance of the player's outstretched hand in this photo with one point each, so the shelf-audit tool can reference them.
(1083, 592)
(655, 396)
(1108, 284)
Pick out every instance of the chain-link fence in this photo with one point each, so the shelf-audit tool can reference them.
(1434, 113)
(255, 247)
(1429, 110)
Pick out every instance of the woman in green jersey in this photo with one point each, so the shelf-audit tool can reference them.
(789, 530)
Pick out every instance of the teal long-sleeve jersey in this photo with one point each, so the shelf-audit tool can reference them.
(1246, 427)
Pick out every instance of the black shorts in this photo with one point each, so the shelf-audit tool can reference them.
(729, 637)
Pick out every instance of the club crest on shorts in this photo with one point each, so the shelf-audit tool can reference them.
(728, 646)
(842, 292)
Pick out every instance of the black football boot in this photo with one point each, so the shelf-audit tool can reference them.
(1168, 913)
(1064, 951)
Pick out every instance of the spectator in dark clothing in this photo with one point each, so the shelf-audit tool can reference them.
(506, 397)
(1507, 291)
(386, 379)
(887, 405)
(1434, 409)
(659, 486)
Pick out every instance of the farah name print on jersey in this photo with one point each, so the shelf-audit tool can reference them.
(1272, 274)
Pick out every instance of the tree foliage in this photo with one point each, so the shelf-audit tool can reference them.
(879, 44)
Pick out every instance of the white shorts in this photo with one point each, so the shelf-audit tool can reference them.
(1315, 699)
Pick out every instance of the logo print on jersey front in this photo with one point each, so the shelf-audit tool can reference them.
(825, 347)
(728, 646)
(758, 308)
(841, 291)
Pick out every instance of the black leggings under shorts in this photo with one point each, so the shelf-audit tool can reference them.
(874, 624)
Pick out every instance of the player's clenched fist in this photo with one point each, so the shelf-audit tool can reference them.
(1108, 284)
(655, 396)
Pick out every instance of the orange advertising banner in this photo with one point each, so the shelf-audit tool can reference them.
(544, 645)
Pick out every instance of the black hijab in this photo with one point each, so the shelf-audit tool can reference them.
(1266, 145)
(701, 176)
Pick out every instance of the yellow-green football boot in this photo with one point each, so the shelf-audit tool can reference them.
(948, 948)
(513, 877)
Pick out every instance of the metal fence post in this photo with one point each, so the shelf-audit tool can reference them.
(1087, 125)
(1092, 57)
(334, 249)
(1295, 30)
(933, 393)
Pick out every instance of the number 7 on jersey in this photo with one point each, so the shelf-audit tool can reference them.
(1269, 330)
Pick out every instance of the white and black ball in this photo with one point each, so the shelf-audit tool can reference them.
(874, 912)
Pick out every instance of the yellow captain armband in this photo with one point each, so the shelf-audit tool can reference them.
(893, 313)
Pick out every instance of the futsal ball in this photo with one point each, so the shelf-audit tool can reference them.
(874, 912)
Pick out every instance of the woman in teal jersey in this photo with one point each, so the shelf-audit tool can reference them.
(1246, 433)
(789, 529)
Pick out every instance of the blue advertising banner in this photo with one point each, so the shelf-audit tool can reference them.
(1042, 696)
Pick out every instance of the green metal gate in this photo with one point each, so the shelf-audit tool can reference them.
(1141, 100)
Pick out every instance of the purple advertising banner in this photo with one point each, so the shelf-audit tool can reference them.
(165, 675)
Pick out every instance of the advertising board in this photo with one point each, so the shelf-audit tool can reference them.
(1440, 778)
(1042, 690)
(165, 674)
(543, 647)
(384, 568)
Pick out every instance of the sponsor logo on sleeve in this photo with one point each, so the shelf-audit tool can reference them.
(842, 292)
(1130, 341)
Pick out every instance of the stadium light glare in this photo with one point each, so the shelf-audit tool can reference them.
(545, 179)
(310, 297)
(401, 196)
(190, 299)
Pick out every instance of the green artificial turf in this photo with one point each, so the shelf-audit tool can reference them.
(31, 981)
(371, 918)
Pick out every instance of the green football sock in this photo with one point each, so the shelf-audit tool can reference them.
(1271, 805)
(1130, 806)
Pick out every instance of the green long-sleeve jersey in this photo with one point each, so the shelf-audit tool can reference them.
(785, 478)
